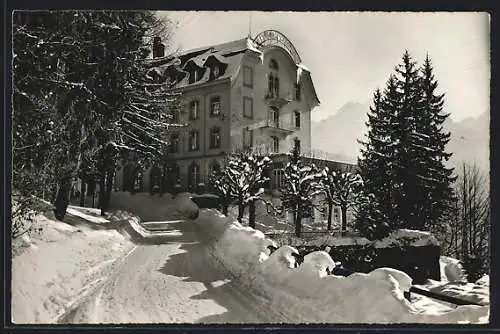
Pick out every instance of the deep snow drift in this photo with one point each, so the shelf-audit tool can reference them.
(53, 270)
(307, 293)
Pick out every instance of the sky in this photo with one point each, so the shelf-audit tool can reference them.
(350, 54)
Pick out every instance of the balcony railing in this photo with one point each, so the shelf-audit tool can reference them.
(276, 100)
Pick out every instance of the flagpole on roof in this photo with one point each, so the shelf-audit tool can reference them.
(250, 25)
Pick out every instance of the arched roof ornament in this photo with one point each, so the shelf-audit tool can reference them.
(275, 38)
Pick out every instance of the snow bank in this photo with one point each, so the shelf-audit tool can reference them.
(451, 270)
(153, 207)
(478, 292)
(60, 266)
(405, 237)
(86, 214)
(130, 225)
(307, 293)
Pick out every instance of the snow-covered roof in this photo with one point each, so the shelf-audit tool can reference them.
(229, 54)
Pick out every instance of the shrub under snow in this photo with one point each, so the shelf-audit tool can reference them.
(307, 293)
(153, 207)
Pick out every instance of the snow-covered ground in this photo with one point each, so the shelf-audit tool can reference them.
(56, 268)
(307, 294)
(117, 269)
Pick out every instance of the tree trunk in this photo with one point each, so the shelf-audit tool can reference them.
(251, 214)
(102, 190)
(163, 179)
(343, 208)
(83, 190)
(298, 223)
(62, 198)
(330, 211)
(225, 208)
(53, 193)
(241, 211)
(106, 193)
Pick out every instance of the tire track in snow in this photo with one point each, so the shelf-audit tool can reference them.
(162, 283)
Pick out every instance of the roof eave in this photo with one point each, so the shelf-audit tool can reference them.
(204, 84)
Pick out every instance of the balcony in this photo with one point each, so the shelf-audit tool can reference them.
(275, 128)
(275, 100)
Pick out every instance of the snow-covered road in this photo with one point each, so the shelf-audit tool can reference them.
(168, 281)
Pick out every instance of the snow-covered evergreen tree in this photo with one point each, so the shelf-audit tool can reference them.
(77, 66)
(402, 160)
(376, 163)
(432, 139)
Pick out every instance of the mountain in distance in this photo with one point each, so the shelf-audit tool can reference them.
(338, 136)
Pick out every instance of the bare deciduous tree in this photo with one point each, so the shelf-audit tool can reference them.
(466, 234)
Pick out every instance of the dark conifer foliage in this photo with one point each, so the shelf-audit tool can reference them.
(404, 153)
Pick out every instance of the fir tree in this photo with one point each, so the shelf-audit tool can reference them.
(402, 160)
(432, 140)
(376, 161)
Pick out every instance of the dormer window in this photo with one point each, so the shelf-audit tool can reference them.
(195, 73)
(216, 71)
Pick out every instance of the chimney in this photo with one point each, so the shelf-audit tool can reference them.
(158, 48)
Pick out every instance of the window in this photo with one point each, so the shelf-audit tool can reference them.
(193, 76)
(216, 71)
(156, 179)
(247, 138)
(277, 180)
(297, 91)
(214, 168)
(273, 64)
(274, 117)
(194, 174)
(247, 107)
(215, 106)
(174, 143)
(273, 85)
(194, 112)
(215, 138)
(137, 181)
(270, 84)
(174, 173)
(176, 116)
(296, 115)
(194, 140)
(247, 76)
(276, 144)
